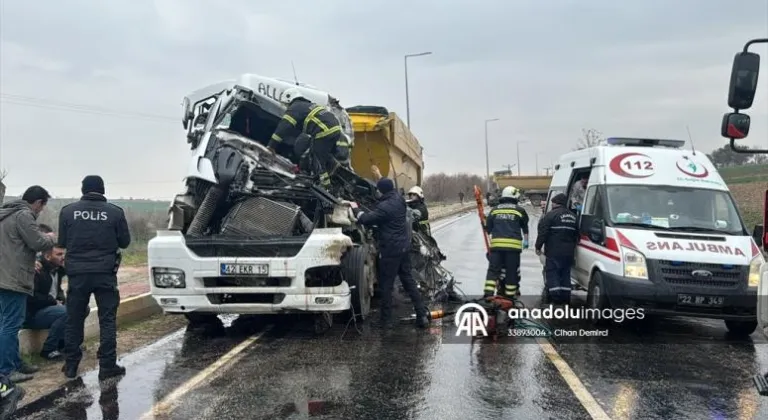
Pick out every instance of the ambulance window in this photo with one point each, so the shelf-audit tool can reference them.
(593, 202)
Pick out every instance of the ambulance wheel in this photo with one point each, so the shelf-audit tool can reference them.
(596, 298)
(741, 328)
(357, 272)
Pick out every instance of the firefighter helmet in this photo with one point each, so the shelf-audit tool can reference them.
(416, 190)
(291, 94)
(510, 192)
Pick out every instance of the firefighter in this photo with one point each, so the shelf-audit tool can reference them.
(416, 202)
(507, 225)
(558, 236)
(315, 121)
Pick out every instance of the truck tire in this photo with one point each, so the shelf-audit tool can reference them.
(596, 298)
(741, 328)
(356, 265)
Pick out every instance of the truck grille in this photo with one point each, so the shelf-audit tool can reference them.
(681, 274)
(228, 246)
(246, 282)
(258, 216)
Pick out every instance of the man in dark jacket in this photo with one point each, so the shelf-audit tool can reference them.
(558, 235)
(394, 240)
(93, 231)
(20, 239)
(305, 117)
(45, 308)
(507, 224)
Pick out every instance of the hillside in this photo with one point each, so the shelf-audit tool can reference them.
(744, 174)
(137, 205)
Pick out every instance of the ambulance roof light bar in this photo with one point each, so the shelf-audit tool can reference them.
(628, 141)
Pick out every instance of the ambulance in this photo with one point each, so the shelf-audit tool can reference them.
(659, 230)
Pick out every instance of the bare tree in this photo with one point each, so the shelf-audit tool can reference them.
(3, 174)
(590, 137)
(445, 188)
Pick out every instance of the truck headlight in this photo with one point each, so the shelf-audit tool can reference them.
(634, 264)
(754, 270)
(168, 278)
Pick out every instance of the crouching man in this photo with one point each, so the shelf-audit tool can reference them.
(45, 307)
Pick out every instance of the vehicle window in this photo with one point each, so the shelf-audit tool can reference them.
(590, 200)
(674, 207)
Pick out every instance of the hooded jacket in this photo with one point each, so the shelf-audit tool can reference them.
(20, 239)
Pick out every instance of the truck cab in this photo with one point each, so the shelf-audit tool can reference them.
(659, 230)
(735, 125)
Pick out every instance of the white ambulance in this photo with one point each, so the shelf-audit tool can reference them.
(660, 231)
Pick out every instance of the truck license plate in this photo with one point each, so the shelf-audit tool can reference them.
(696, 300)
(244, 269)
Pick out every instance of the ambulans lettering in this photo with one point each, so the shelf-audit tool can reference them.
(97, 216)
(694, 246)
(269, 91)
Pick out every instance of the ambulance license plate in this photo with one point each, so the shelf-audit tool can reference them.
(244, 269)
(697, 300)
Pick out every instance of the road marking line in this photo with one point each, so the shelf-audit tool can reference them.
(169, 402)
(587, 400)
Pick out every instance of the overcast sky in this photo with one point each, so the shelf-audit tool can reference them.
(546, 69)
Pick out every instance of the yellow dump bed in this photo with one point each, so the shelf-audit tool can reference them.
(524, 182)
(382, 139)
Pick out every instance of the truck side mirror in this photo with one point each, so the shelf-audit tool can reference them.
(746, 67)
(735, 125)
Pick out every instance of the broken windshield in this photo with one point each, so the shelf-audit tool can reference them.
(676, 208)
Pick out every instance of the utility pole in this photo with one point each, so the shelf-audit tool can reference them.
(518, 156)
(407, 101)
(547, 169)
(487, 164)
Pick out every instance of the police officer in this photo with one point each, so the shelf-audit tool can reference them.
(315, 121)
(394, 240)
(92, 231)
(507, 224)
(558, 234)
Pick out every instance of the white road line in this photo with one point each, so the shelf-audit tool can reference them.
(171, 400)
(587, 400)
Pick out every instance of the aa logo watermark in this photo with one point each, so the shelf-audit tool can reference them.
(471, 318)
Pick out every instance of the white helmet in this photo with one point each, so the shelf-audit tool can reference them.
(510, 192)
(417, 191)
(291, 94)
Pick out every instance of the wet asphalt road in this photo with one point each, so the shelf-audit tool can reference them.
(288, 372)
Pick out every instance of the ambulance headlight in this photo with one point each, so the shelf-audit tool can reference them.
(754, 270)
(634, 264)
(168, 278)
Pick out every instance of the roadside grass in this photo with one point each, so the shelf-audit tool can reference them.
(136, 254)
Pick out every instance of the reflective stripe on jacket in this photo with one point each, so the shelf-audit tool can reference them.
(506, 224)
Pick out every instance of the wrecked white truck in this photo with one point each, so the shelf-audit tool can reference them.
(252, 234)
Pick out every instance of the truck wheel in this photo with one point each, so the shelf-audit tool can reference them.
(356, 265)
(596, 298)
(741, 328)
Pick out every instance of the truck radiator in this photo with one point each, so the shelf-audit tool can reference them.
(259, 216)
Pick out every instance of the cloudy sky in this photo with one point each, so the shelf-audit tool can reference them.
(94, 86)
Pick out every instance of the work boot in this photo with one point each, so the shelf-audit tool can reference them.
(423, 322)
(28, 369)
(111, 372)
(10, 395)
(70, 370)
(383, 324)
(17, 377)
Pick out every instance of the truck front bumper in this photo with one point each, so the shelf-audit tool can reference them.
(283, 290)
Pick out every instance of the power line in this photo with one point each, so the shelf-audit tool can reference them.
(43, 103)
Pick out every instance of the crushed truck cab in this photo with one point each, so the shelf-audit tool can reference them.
(251, 234)
(660, 231)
